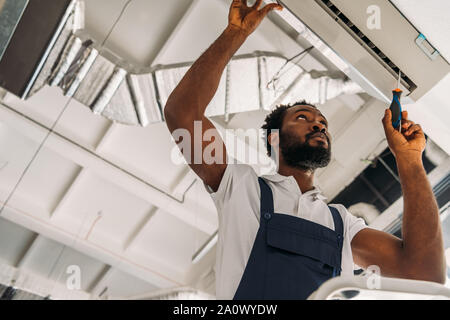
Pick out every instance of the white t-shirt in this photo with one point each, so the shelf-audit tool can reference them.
(238, 204)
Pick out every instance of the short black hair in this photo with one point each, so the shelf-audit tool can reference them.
(274, 121)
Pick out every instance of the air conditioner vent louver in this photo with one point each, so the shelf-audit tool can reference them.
(356, 33)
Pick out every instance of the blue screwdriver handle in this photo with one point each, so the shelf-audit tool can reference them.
(396, 108)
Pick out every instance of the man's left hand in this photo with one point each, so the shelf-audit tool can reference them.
(408, 144)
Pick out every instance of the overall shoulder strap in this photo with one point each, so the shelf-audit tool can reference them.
(266, 197)
(338, 223)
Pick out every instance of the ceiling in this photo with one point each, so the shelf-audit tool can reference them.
(81, 190)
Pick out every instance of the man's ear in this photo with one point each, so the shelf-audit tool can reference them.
(274, 139)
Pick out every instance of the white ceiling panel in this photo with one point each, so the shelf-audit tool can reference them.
(17, 152)
(120, 285)
(44, 107)
(79, 124)
(432, 111)
(101, 212)
(361, 138)
(358, 139)
(199, 201)
(44, 183)
(99, 25)
(52, 260)
(143, 29)
(337, 116)
(15, 242)
(145, 152)
(42, 257)
(167, 240)
(181, 48)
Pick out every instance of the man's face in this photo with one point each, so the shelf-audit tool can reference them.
(305, 142)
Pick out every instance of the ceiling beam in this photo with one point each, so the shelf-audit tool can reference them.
(138, 229)
(175, 31)
(107, 170)
(154, 272)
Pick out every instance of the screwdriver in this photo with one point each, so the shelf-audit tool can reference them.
(396, 107)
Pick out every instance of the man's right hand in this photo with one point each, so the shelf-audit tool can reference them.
(246, 19)
(187, 103)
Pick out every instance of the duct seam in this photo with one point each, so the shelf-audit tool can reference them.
(76, 64)
(82, 72)
(107, 93)
(148, 89)
(95, 81)
(67, 58)
(158, 96)
(138, 100)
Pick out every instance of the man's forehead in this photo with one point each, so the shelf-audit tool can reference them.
(299, 107)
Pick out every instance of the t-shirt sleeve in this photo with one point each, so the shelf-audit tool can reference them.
(353, 224)
(230, 180)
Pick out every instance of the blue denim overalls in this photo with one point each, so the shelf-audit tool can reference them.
(291, 256)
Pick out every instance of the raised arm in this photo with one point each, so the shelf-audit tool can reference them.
(420, 254)
(186, 105)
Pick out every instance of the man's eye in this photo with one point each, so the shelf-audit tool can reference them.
(301, 116)
(324, 123)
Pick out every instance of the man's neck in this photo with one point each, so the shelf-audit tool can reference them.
(304, 178)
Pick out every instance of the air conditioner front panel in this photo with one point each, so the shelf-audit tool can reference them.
(396, 40)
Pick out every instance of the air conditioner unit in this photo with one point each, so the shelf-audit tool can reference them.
(371, 55)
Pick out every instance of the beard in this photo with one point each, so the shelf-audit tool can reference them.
(302, 155)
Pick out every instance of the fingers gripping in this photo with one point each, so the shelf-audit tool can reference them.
(409, 127)
(387, 121)
(246, 18)
(238, 3)
(270, 7)
(415, 128)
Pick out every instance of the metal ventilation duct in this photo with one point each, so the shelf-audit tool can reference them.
(11, 293)
(32, 39)
(10, 13)
(122, 93)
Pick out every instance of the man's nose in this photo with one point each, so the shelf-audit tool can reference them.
(319, 127)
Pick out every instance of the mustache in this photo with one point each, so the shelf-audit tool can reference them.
(312, 135)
